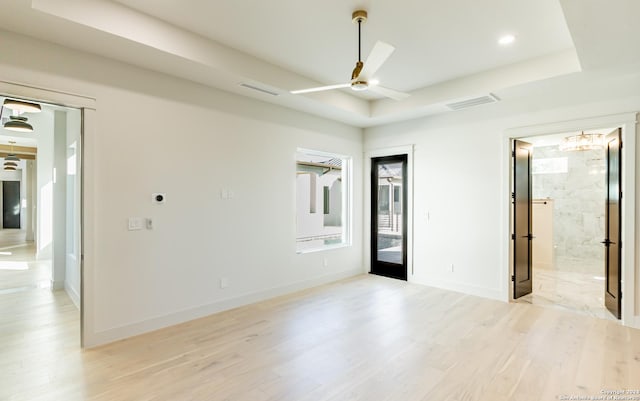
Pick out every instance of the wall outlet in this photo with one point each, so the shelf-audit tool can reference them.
(451, 268)
(325, 262)
(149, 222)
(224, 282)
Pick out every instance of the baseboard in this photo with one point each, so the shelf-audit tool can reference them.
(468, 289)
(73, 294)
(634, 323)
(118, 333)
(57, 285)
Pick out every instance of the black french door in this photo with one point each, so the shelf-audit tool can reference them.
(11, 204)
(522, 206)
(388, 216)
(612, 243)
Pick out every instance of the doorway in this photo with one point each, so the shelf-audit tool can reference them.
(566, 222)
(389, 216)
(41, 200)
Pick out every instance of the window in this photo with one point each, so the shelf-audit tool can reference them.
(322, 200)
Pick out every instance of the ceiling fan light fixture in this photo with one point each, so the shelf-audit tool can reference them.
(21, 106)
(359, 86)
(18, 124)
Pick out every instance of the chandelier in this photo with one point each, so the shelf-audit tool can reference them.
(582, 142)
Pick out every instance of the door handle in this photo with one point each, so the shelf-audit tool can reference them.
(530, 236)
(607, 242)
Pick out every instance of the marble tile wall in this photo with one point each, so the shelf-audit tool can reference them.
(578, 191)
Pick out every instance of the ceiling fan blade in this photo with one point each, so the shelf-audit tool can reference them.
(380, 53)
(390, 93)
(320, 88)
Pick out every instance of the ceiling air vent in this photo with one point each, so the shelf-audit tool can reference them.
(255, 88)
(476, 101)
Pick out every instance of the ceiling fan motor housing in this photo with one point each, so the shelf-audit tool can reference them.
(359, 16)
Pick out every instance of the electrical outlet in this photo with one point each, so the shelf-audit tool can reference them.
(451, 269)
(325, 262)
(149, 222)
(224, 282)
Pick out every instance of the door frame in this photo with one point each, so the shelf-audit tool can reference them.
(626, 121)
(382, 152)
(87, 106)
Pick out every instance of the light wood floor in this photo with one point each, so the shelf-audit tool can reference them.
(367, 338)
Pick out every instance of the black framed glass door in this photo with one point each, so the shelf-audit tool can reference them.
(388, 216)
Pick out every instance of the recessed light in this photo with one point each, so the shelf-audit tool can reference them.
(506, 40)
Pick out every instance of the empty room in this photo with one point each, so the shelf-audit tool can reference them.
(339, 200)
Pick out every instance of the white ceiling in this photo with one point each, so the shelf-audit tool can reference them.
(445, 51)
(435, 40)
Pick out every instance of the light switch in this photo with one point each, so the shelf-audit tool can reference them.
(134, 223)
(149, 222)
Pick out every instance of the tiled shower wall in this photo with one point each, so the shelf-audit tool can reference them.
(579, 194)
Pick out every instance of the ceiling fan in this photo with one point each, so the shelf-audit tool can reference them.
(362, 75)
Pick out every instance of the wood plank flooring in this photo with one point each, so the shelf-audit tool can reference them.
(366, 338)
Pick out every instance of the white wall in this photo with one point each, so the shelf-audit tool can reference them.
(73, 208)
(460, 178)
(314, 224)
(578, 214)
(43, 124)
(59, 201)
(153, 133)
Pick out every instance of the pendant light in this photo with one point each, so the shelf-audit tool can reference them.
(11, 160)
(17, 122)
(21, 106)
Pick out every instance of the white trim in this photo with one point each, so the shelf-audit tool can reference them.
(118, 333)
(369, 154)
(57, 285)
(627, 121)
(73, 295)
(468, 289)
(28, 92)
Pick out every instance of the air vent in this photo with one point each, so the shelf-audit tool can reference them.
(255, 88)
(476, 101)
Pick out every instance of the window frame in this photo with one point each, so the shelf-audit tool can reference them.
(347, 200)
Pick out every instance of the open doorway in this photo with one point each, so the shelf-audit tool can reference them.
(566, 218)
(40, 196)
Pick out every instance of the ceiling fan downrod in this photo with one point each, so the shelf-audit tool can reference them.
(358, 16)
